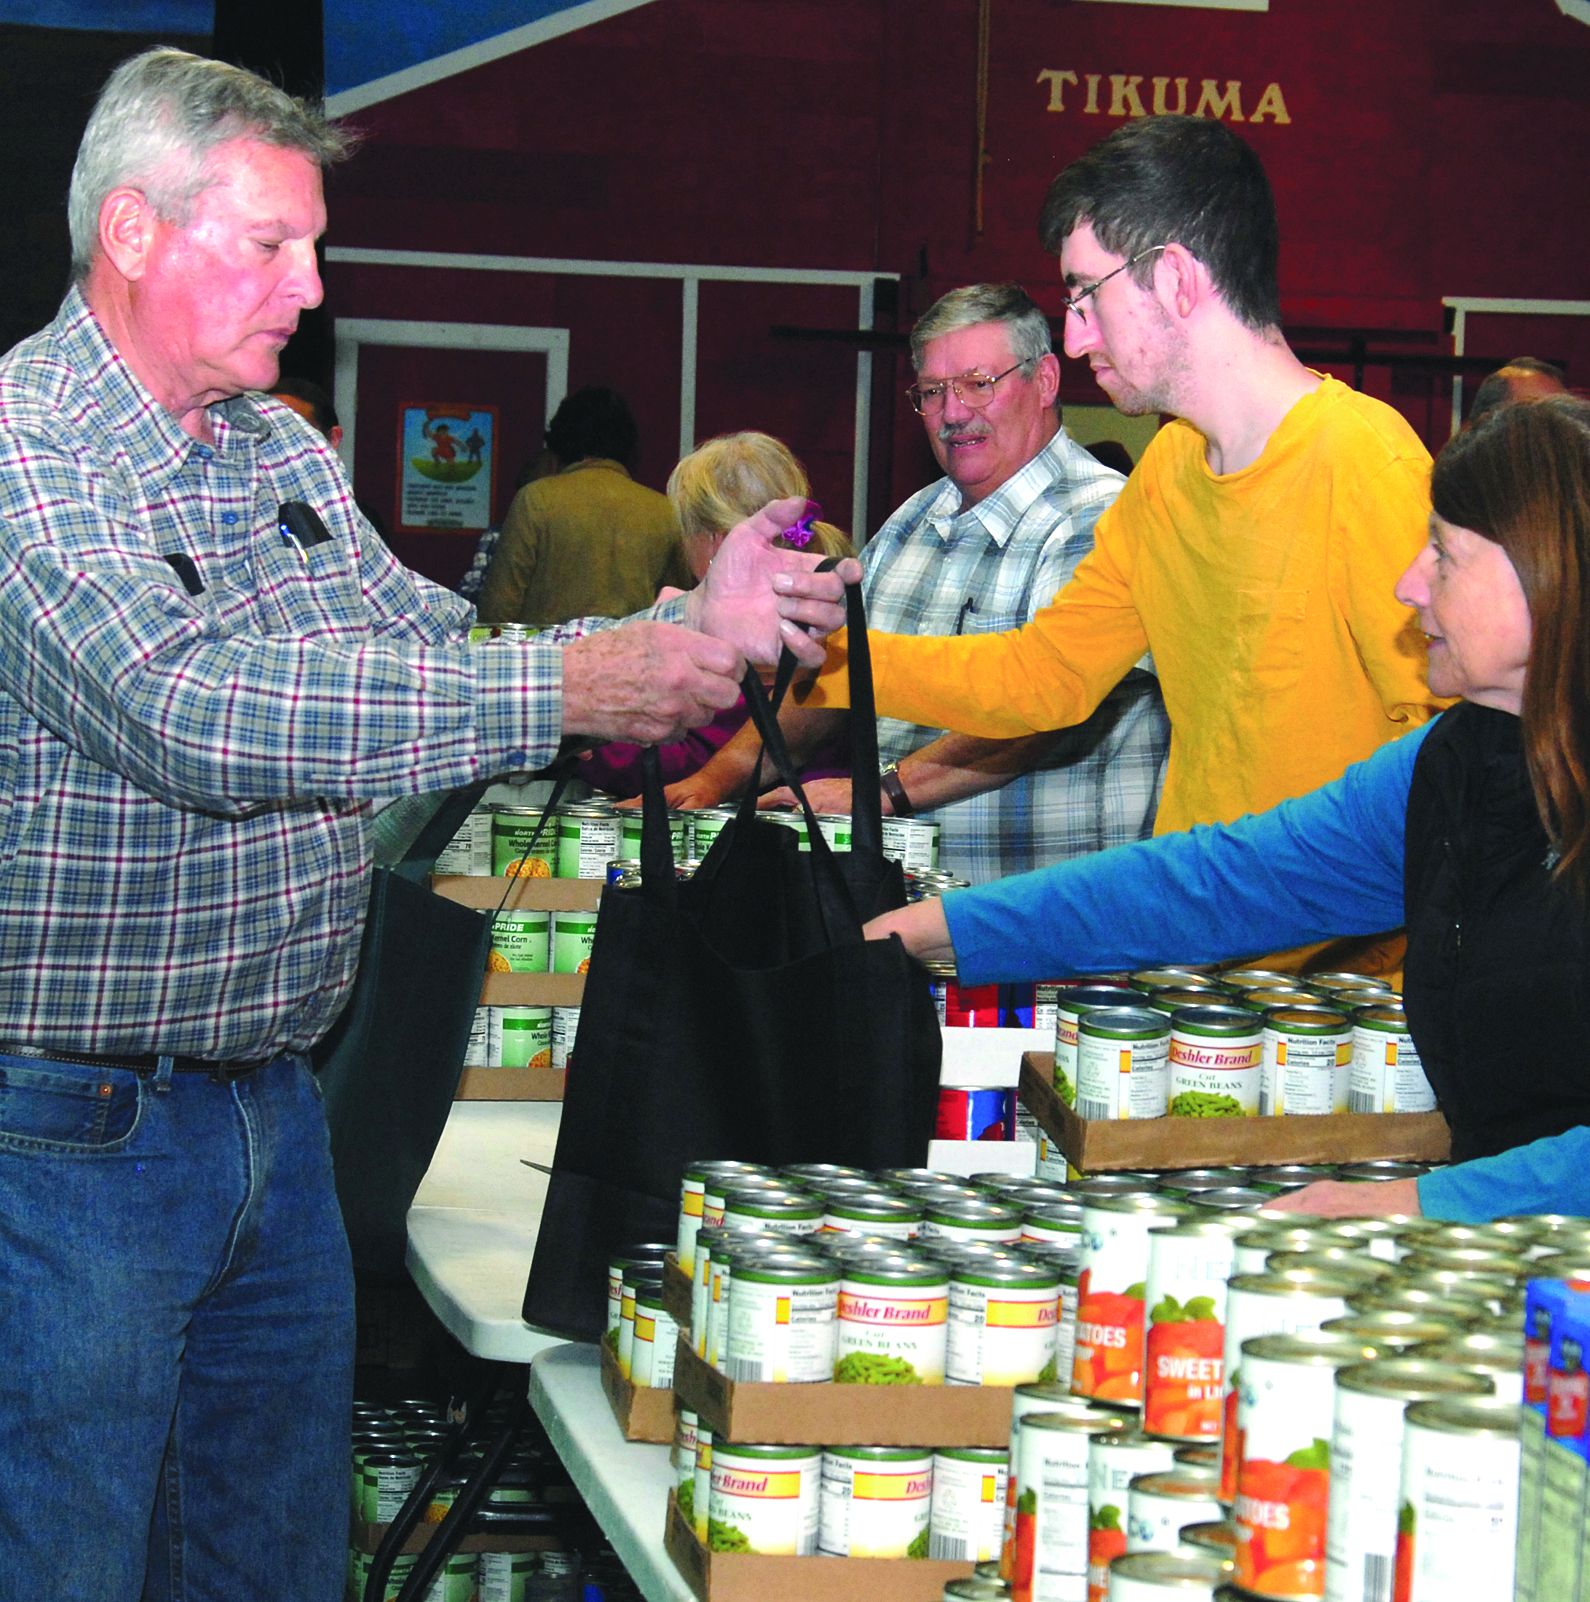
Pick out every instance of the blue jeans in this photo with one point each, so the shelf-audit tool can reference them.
(176, 1337)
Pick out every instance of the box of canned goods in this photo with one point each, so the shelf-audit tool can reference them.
(1104, 1144)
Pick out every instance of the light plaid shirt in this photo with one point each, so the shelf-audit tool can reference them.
(934, 569)
(184, 779)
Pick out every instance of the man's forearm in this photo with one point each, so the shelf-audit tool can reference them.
(955, 766)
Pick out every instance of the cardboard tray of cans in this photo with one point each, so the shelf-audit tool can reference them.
(521, 989)
(1096, 1146)
(643, 1412)
(842, 1415)
(748, 1577)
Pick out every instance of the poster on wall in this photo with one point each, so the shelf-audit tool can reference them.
(447, 468)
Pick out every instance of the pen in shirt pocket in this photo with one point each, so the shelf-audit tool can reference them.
(968, 609)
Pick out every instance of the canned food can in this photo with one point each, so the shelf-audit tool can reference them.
(1214, 1062)
(979, 1112)
(893, 1323)
(701, 1486)
(515, 851)
(388, 1477)
(519, 941)
(686, 1427)
(764, 1499)
(876, 1501)
(873, 1213)
(572, 935)
(692, 1200)
(587, 840)
(1049, 1557)
(971, 1218)
(1183, 1368)
(565, 1025)
(778, 1211)
(1457, 1523)
(1071, 1001)
(1366, 1466)
(1002, 1316)
(1499, 1357)
(656, 1339)
(1268, 1304)
(966, 1523)
(912, 842)
(1386, 1075)
(1305, 1056)
(521, 1037)
(1115, 1459)
(964, 1006)
(506, 1576)
(835, 829)
(706, 825)
(1147, 979)
(469, 851)
(624, 871)
(681, 835)
(1123, 1056)
(1158, 1505)
(782, 1320)
(477, 1053)
(636, 1275)
(649, 1254)
(1286, 1399)
(1165, 1577)
(1108, 1362)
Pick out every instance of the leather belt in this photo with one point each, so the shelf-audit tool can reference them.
(147, 1062)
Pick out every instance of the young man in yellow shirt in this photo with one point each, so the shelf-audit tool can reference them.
(1253, 550)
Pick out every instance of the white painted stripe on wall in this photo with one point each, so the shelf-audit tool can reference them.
(477, 55)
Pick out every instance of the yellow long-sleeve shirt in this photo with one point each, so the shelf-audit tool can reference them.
(1265, 596)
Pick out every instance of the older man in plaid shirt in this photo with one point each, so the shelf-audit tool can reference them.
(979, 551)
(208, 666)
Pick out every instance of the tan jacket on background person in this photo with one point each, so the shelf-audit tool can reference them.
(586, 542)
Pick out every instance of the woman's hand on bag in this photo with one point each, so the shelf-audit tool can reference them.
(921, 926)
(758, 596)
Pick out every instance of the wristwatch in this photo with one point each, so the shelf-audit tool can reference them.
(889, 783)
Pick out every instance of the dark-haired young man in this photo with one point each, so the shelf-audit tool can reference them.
(1253, 550)
(587, 541)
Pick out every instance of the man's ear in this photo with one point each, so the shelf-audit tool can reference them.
(1047, 374)
(1186, 279)
(126, 230)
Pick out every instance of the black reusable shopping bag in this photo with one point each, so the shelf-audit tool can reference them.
(389, 1066)
(736, 1014)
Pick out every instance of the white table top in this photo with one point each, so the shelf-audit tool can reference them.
(625, 1483)
(473, 1224)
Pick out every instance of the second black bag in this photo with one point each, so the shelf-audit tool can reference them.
(737, 1014)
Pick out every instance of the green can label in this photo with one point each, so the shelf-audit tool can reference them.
(572, 934)
(520, 941)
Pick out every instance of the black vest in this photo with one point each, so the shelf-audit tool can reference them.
(1495, 983)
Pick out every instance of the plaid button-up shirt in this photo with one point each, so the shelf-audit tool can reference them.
(185, 777)
(935, 569)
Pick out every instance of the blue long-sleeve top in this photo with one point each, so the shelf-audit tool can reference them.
(1326, 864)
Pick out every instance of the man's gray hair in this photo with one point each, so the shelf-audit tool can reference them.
(1010, 304)
(155, 124)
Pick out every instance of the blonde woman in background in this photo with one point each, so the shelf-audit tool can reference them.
(719, 484)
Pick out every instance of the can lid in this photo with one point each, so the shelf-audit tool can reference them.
(1124, 1023)
(1411, 1379)
(1215, 1019)
(1168, 1571)
(1468, 1415)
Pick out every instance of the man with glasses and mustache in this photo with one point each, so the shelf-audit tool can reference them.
(980, 550)
(1254, 549)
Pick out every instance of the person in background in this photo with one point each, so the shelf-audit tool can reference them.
(1523, 378)
(541, 465)
(587, 539)
(198, 706)
(707, 488)
(314, 404)
(1474, 829)
(1254, 547)
(981, 549)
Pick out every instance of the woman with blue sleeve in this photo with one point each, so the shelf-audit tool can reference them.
(1473, 831)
